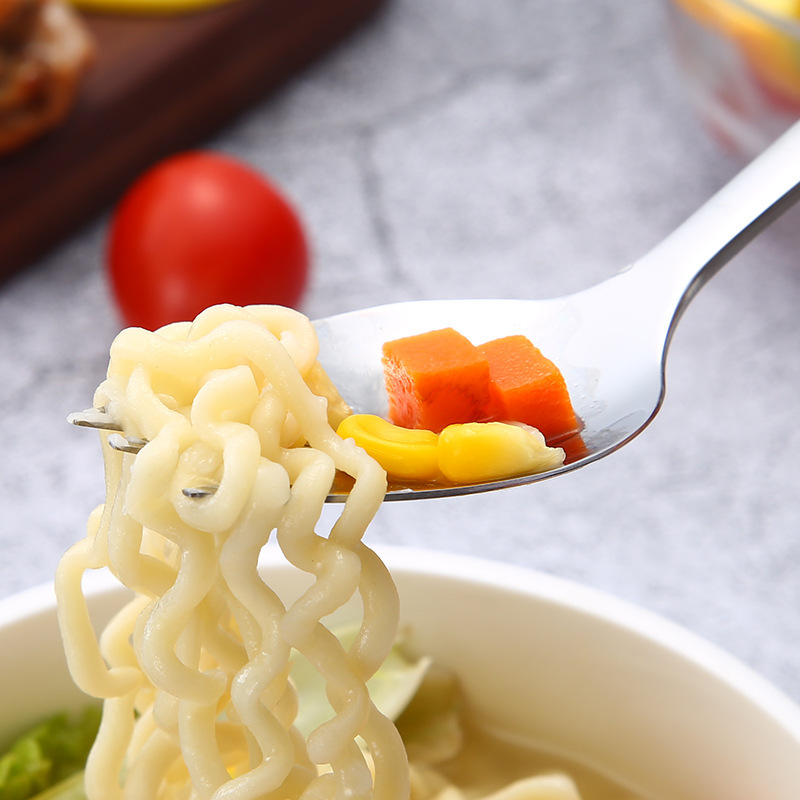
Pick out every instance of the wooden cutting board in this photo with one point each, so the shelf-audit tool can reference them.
(158, 85)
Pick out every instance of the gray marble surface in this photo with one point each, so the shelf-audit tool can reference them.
(505, 148)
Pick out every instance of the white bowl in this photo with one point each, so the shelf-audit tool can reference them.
(571, 669)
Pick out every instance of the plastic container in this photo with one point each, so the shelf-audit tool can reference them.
(741, 60)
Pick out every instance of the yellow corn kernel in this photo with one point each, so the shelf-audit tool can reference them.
(404, 453)
(475, 452)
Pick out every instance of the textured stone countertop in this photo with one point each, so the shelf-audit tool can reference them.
(494, 149)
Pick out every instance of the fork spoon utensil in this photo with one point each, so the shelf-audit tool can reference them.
(610, 341)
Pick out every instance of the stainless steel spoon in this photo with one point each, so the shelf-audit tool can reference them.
(610, 341)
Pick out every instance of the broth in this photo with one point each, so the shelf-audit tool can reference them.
(489, 762)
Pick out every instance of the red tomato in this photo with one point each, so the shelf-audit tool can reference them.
(200, 229)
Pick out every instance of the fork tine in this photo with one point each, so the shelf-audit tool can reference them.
(126, 444)
(199, 492)
(100, 419)
(95, 418)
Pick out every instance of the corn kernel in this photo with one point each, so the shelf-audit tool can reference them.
(476, 452)
(404, 453)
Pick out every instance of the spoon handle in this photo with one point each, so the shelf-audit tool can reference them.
(678, 267)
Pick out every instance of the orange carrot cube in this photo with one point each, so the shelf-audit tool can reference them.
(529, 387)
(435, 379)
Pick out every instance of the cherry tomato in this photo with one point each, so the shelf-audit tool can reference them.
(200, 229)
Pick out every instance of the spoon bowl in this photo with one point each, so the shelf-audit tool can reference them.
(610, 341)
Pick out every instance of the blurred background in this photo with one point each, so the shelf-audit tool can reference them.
(503, 149)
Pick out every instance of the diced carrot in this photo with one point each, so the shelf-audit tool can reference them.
(435, 379)
(530, 387)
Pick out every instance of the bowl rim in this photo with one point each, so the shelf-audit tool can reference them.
(567, 594)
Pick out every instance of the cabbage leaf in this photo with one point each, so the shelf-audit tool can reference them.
(391, 687)
(47, 755)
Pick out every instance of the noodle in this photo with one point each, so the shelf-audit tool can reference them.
(195, 670)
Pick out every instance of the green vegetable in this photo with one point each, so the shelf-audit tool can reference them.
(48, 755)
(391, 688)
(70, 789)
(424, 700)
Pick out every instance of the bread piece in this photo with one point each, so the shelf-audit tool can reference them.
(45, 49)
